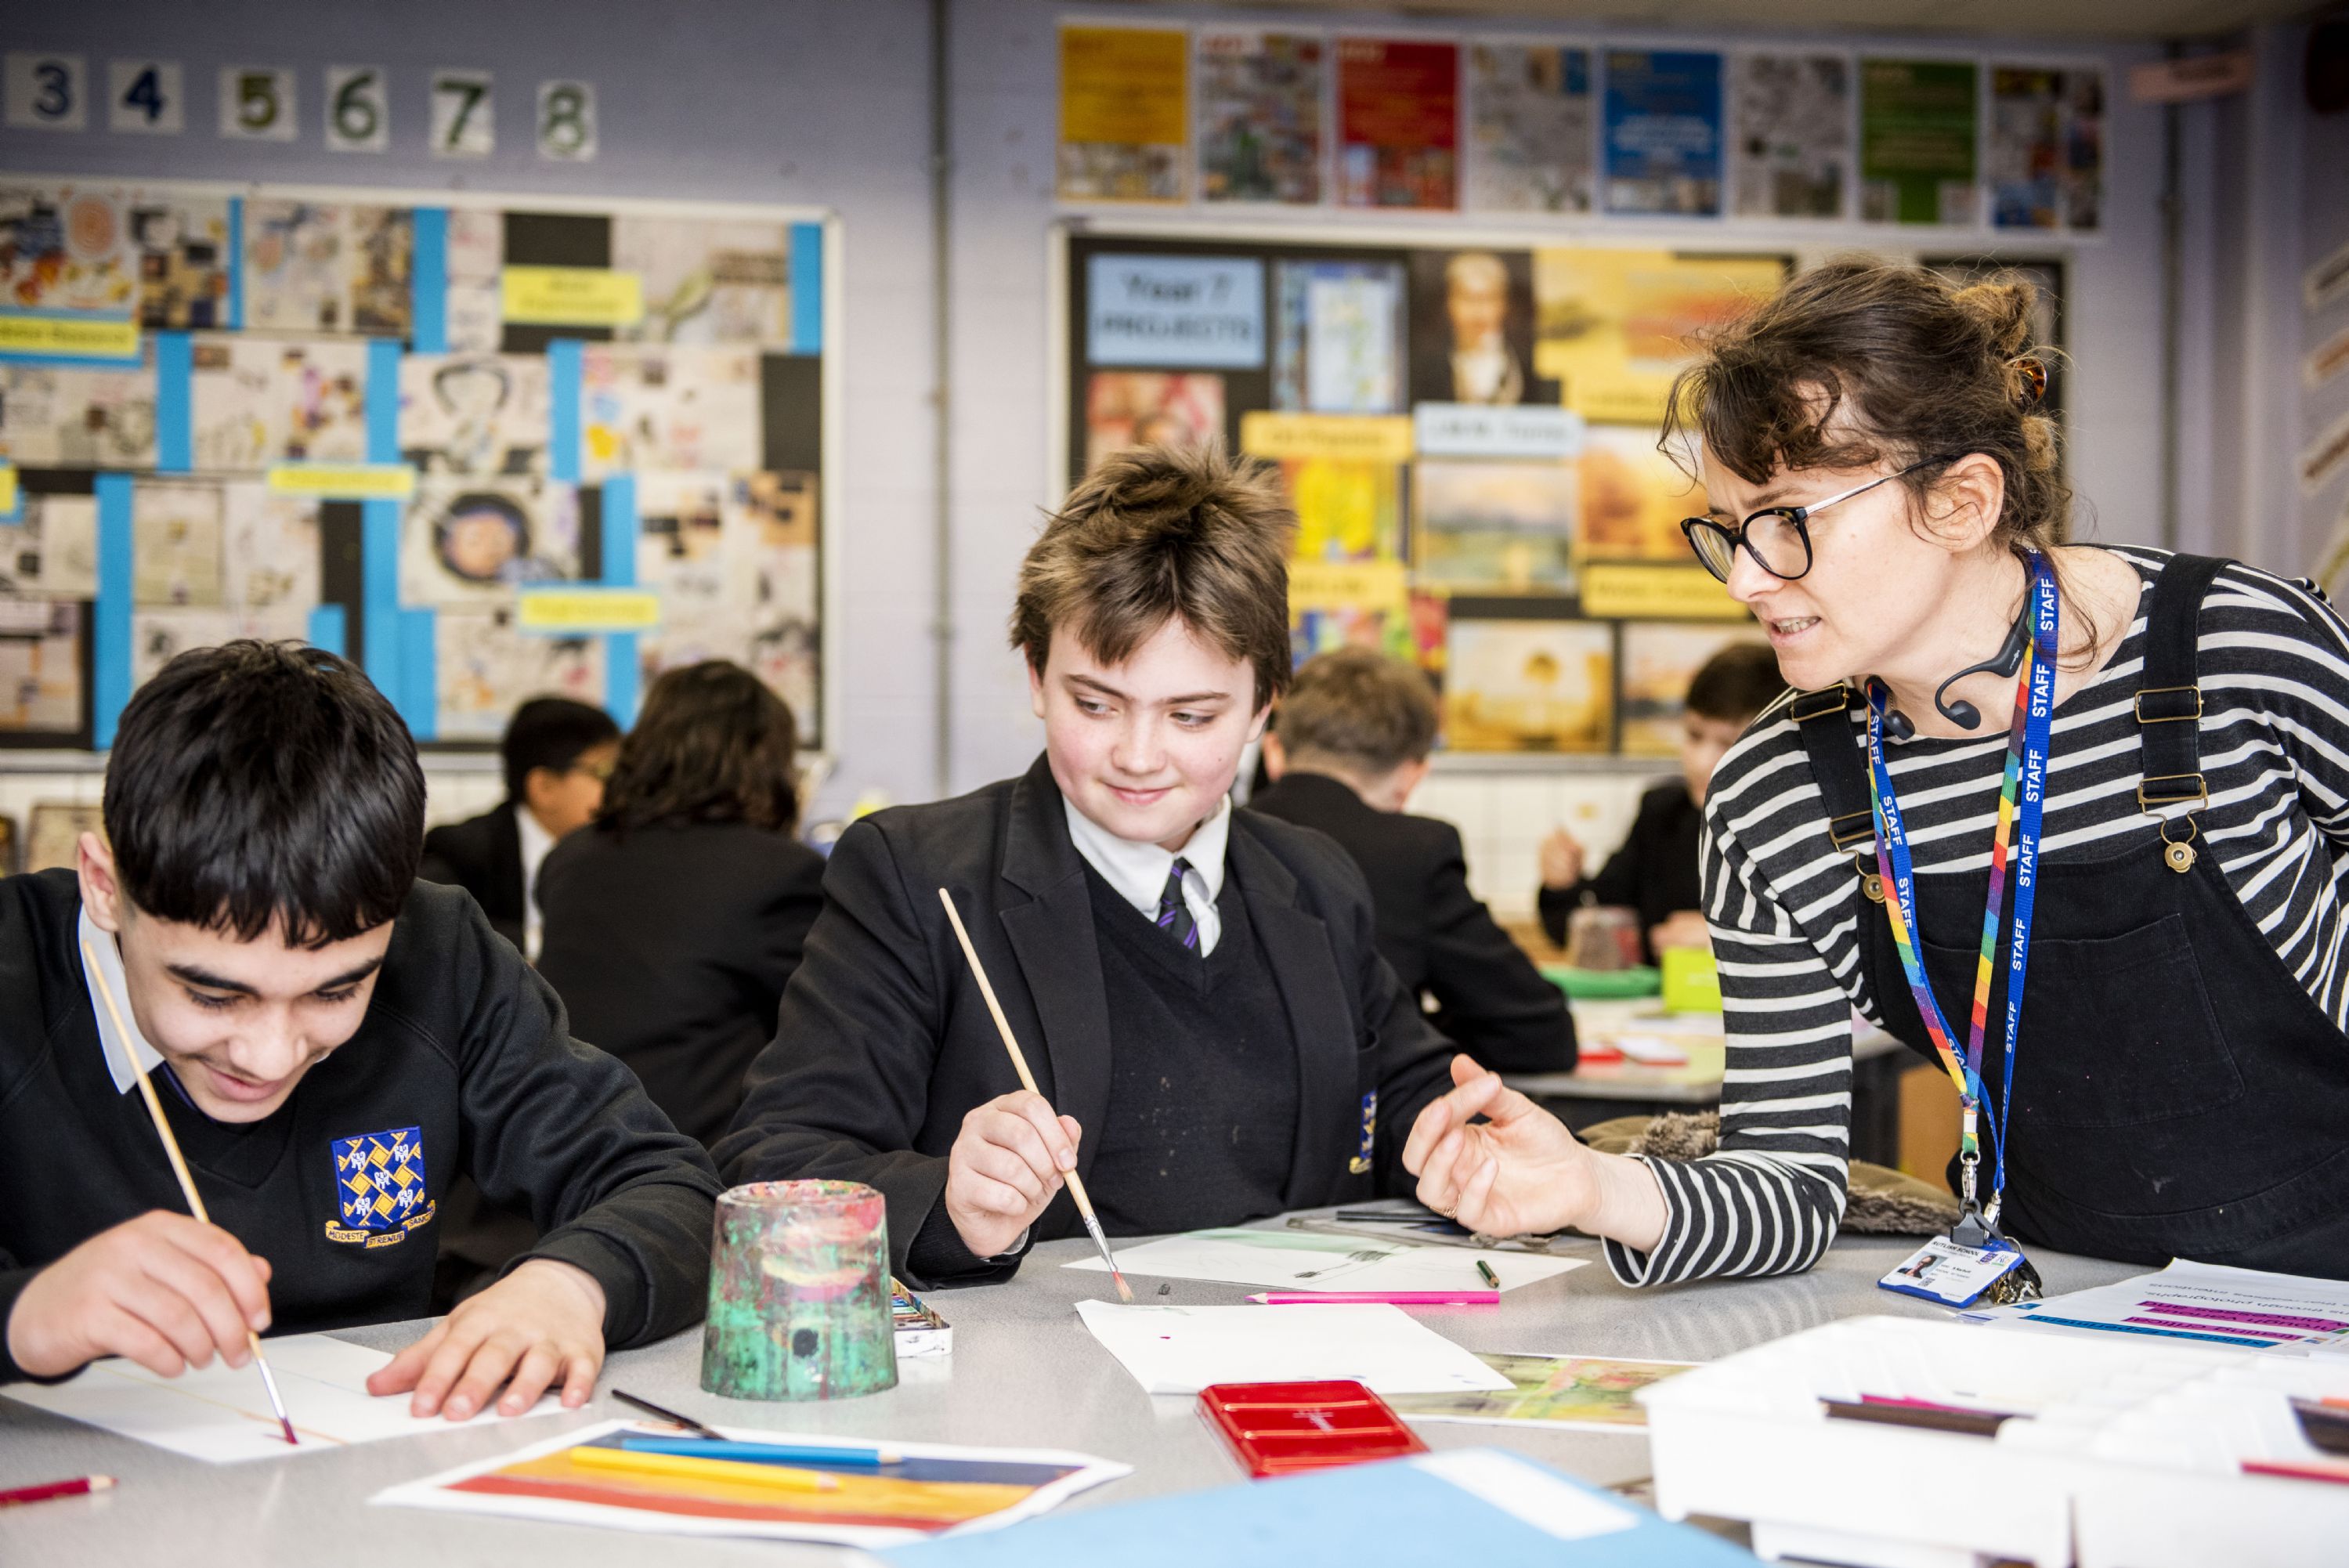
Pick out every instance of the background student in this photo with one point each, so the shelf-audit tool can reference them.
(1656, 871)
(557, 754)
(1198, 990)
(335, 1041)
(1352, 743)
(675, 922)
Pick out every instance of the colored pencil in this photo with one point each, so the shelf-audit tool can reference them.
(764, 1453)
(1027, 1081)
(1484, 1272)
(1391, 1297)
(589, 1457)
(42, 1493)
(179, 1164)
(662, 1412)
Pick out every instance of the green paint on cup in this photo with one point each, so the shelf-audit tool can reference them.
(799, 1294)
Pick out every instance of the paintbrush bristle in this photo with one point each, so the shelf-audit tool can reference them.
(1125, 1290)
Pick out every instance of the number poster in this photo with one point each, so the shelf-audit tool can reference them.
(488, 449)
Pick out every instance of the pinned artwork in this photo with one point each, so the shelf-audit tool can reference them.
(474, 413)
(176, 550)
(474, 542)
(1126, 408)
(486, 665)
(708, 282)
(1529, 686)
(645, 407)
(77, 415)
(52, 553)
(256, 402)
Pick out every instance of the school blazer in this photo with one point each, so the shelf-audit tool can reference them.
(1440, 939)
(885, 1042)
(483, 855)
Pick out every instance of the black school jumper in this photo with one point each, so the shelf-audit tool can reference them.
(462, 1064)
(885, 1042)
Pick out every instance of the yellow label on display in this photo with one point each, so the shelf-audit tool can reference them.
(66, 335)
(572, 296)
(1620, 590)
(7, 489)
(589, 610)
(1367, 438)
(1346, 586)
(345, 482)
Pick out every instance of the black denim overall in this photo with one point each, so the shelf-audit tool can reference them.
(2176, 1093)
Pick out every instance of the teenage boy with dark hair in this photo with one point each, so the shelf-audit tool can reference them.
(1351, 745)
(333, 1043)
(1198, 991)
(1655, 871)
(557, 755)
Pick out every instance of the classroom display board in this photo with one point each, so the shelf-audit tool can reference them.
(1470, 437)
(490, 448)
(1220, 116)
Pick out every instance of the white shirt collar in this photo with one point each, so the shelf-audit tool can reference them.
(109, 963)
(535, 842)
(1138, 872)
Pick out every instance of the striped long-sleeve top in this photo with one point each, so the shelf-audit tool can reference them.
(1785, 905)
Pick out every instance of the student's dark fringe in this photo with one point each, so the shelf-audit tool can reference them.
(1162, 534)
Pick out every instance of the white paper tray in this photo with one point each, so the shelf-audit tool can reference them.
(2132, 1457)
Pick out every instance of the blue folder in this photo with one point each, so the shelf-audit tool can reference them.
(1479, 1506)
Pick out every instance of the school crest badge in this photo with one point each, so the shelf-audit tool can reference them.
(380, 1190)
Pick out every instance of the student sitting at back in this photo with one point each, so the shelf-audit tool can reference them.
(333, 1042)
(1655, 871)
(1198, 991)
(1351, 745)
(673, 924)
(557, 754)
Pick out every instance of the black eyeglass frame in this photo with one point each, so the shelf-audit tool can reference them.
(1797, 517)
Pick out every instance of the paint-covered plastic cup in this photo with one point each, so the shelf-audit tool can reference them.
(799, 1294)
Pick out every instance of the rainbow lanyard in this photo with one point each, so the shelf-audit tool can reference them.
(2022, 796)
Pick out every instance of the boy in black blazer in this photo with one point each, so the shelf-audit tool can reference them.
(1199, 992)
(1353, 744)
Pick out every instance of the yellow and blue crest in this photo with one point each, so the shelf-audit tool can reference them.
(379, 1189)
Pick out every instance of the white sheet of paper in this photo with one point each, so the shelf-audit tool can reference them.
(221, 1414)
(1310, 1260)
(1183, 1350)
(2200, 1302)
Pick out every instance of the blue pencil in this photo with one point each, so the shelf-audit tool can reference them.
(763, 1453)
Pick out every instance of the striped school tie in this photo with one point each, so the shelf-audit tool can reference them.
(1175, 914)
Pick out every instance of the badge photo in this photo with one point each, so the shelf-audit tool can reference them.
(380, 1193)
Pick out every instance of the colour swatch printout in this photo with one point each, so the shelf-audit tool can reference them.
(2205, 1302)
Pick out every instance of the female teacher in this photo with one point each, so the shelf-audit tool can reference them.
(2139, 975)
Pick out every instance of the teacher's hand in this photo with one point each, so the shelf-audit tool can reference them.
(1519, 1173)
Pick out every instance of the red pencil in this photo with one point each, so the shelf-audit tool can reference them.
(74, 1488)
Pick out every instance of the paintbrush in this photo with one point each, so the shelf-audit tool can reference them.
(179, 1164)
(1027, 1081)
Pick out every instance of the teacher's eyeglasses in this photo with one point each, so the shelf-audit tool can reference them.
(1778, 538)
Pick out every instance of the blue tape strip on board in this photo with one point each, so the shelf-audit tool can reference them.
(330, 630)
(428, 313)
(419, 675)
(807, 288)
(623, 677)
(383, 400)
(175, 425)
(379, 595)
(110, 631)
(235, 311)
(564, 357)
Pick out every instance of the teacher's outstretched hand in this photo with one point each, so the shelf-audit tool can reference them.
(1519, 1171)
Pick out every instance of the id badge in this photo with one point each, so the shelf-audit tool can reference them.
(1951, 1274)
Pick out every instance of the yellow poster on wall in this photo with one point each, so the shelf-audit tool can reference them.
(1125, 113)
(1634, 498)
(1615, 326)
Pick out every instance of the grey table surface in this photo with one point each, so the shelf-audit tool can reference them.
(1024, 1373)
